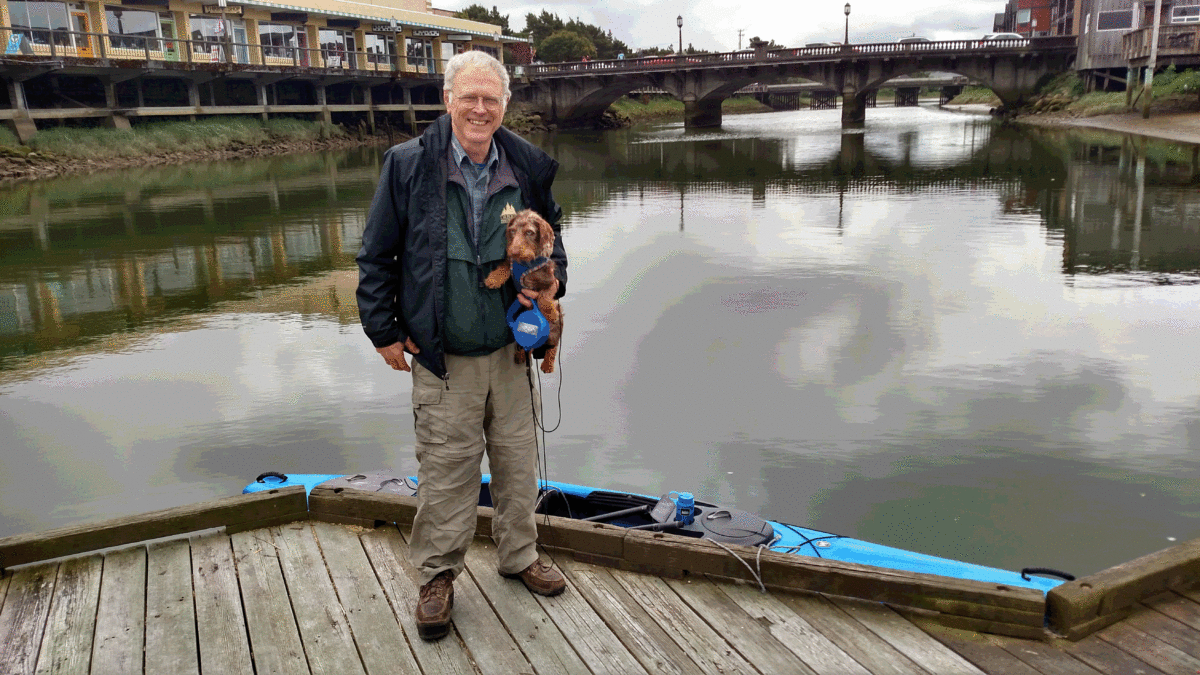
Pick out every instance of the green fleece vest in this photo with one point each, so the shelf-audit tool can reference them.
(475, 314)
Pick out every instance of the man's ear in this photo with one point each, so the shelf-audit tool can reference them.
(446, 96)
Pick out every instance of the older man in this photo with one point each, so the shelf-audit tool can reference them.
(433, 233)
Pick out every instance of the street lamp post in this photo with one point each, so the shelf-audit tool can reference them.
(679, 23)
(846, 9)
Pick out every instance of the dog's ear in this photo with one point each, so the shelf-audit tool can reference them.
(546, 236)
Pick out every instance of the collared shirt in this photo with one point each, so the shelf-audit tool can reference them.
(476, 177)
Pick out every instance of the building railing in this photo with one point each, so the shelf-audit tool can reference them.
(1172, 40)
(57, 44)
(760, 56)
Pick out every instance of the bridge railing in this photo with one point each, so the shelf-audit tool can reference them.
(1172, 41)
(36, 45)
(764, 56)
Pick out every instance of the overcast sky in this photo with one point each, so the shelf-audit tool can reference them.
(713, 24)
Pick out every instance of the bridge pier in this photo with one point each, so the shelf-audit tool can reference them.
(702, 114)
(854, 108)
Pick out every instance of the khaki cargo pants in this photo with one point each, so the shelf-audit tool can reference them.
(485, 405)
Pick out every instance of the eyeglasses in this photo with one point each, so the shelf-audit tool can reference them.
(473, 101)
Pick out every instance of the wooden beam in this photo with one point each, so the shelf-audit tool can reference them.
(1021, 610)
(237, 512)
(1080, 607)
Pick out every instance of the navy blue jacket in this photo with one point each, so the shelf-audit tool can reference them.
(402, 263)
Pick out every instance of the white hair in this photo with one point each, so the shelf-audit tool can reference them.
(473, 59)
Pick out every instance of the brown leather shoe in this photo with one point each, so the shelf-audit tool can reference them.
(541, 578)
(434, 605)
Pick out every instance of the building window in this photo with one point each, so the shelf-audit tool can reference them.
(277, 39)
(420, 53)
(1119, 20)
(206, 29)
(335, 46)
(41, 21)
(1023, 15)
(1185, 14)
(132, 28)
(380, 48)
(488, 50)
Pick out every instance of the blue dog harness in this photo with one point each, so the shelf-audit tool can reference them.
(530, 327)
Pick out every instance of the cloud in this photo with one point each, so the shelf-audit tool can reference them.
(713, 25)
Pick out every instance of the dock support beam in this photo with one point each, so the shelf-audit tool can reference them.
(326, 116)
(369, 101)
(21, 124)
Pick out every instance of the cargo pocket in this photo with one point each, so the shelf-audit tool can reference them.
(428, 412)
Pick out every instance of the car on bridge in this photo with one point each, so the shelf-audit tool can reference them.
(1007, 40)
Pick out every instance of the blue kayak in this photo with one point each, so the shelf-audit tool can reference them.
(680, 513)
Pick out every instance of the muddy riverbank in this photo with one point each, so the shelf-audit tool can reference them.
(25, 164)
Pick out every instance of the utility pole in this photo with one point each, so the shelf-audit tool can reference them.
(741, 31)
(1147, 91)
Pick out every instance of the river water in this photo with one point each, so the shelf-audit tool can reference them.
(941, 334)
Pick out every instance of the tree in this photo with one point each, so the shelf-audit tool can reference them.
(758, 43)
(481, 14)
(539, 27)
(565, 45)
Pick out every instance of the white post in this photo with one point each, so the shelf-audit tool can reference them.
(1149, 84)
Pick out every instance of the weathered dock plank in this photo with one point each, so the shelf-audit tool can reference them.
(1165, 628)
(493, 651)
(543, 644)
(867, 648)
(170, 610)
(627, 619)
(233, 513)
(387, 552)
(749, 637)
(121, 614)
(67, 644)
(274, 636)
(220, 622)
(982, 652)
(909, 640)
(703, 645)
(596, 643)
(1177, 606)
(1045, 657)
(324, 628)
(793, 631)
(1150, 649)
(380, 640)
(1106, 658)
(23, 617)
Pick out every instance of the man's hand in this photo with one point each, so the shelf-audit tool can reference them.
(394, 354)
(527, 297)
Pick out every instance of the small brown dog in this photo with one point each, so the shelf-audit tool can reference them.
(529, 238)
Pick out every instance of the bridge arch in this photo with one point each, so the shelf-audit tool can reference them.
(568, 92)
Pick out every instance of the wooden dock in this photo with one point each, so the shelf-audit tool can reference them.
(279, 588)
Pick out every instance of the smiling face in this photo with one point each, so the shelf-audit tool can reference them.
(476, 105)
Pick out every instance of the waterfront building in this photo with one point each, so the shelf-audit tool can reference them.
(404, 35)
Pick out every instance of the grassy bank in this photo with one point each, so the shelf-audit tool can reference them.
(1173, 91)
(158, 138)
(665, 107)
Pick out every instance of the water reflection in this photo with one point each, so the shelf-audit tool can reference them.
(931, 334)
(84, 258)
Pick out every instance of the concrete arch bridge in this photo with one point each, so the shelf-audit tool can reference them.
(571, 93)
